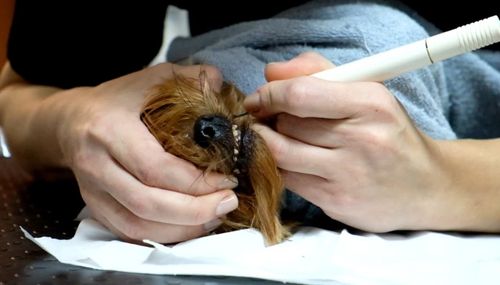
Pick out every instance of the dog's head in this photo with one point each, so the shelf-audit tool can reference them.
(210, 129)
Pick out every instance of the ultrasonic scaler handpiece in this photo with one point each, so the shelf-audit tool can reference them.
(391, 63)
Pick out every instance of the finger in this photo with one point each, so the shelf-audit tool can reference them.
(293, 155)
(312, 97)
(304, 64)
(156, 204)
(137, 150)
(129, 227)
(314, 131)
(321, 192)
(310, 187)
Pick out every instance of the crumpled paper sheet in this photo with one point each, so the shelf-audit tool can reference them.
(310, 256)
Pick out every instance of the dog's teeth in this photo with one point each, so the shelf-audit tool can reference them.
(236, 134)
(237, 139)
(236, 171)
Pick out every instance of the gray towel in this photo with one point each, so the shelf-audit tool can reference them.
(456, 98)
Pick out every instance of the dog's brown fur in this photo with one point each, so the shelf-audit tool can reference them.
(171, 112)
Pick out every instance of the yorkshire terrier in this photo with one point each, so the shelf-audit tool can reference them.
(212, 130)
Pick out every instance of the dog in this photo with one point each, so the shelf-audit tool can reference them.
(212, 130)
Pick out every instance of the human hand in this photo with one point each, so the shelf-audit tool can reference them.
(127, 180)
(349, 148)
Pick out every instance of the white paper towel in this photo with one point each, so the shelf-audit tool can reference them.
(310, 256)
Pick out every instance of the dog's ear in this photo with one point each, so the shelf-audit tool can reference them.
(268, 188)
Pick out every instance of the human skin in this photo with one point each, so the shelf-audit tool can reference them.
(127, 180)
(351, 149)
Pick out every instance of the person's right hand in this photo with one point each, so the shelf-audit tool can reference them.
(350, 148)
(127, 180)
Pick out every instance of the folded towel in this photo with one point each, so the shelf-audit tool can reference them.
(457, 98)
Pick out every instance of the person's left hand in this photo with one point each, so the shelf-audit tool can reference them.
(349, 148)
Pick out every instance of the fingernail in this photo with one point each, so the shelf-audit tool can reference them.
(212, 225)
(229, 182)
(227, 205)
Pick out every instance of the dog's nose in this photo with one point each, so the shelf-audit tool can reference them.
(211, 128)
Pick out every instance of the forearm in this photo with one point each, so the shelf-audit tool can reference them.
(470, 199)
(30, 121)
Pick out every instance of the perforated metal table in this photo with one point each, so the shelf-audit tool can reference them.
(49, 209)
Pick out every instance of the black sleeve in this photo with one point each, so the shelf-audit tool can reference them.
(83, 43)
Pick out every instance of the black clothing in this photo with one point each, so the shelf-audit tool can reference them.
(83, 43)
(75, 43)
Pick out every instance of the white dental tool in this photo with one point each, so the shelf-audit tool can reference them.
(394, 62)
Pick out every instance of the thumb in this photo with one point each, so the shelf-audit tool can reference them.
(304, 64)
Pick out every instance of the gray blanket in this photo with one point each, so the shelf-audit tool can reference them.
(457, 98)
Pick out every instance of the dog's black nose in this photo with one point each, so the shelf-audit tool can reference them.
(212, 129)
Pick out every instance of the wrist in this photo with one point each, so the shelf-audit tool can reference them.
(31, 119)
(467, 191)
(60, 114)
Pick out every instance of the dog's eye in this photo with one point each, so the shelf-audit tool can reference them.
(211, 128)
